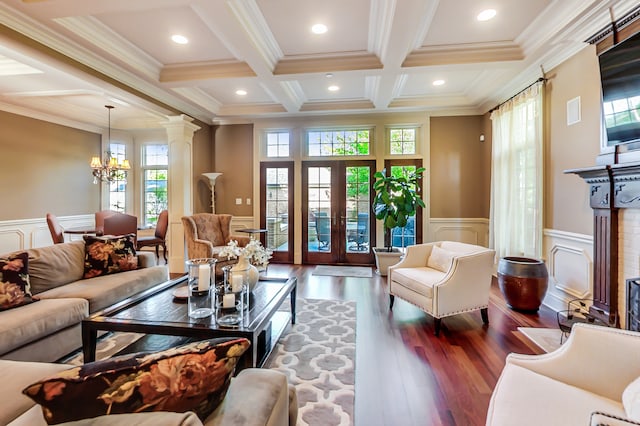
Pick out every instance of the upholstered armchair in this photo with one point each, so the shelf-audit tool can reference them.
(443, 278)
(207, 233)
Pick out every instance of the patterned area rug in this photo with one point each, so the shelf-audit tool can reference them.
(548, 339)
(343, 271)
(318, 356)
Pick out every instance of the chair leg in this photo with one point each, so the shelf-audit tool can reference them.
(437, 322)
(484, 312)
(157, 253)
(164, 252)
(392, 298)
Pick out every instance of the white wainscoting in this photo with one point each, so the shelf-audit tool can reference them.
(569, 259)
(464, 230)
(241, 222)
(30, 233)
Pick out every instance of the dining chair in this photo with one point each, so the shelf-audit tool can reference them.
(159, 237)
(121, 224)
(57, 233)
(99, 219)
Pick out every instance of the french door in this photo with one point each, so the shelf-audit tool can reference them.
(276, 209)
(338, 225)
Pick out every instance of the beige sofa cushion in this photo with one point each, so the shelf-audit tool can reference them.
(55, 265)
(104, 291)
(419, 280)
(31, 322)
(17, 375)
(537, 400)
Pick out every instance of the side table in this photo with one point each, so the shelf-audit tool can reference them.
(578, 311)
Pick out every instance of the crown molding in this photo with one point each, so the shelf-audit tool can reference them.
(38, 115)
(381, 23)
(326, 63)
(205, 70)
(294, 90)
(463, 54)
(371, 86)
(338, 105)
(251, 109)
(200, 97)
(428, 102)
(101, 36)
(252, 21)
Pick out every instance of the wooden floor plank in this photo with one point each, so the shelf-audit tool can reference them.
(405, 375)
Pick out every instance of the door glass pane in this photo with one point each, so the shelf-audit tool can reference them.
(319, 208)
(358, 204)
(406, 236)
(277, 208)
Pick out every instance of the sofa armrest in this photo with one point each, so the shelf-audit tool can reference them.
(604, 419)
(160, 418)
(610, 355)
(256, 396)
(146, 259)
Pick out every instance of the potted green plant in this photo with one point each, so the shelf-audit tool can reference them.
(395, 200)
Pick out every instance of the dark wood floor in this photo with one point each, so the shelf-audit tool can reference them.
(407, 376)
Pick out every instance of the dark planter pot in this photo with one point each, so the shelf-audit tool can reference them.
(523, 282)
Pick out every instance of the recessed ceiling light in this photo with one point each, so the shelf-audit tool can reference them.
(438, 82)
(487, 14)
(319, 29)
(241, 92)
(328, 75)
(333, 88)
(180, 39)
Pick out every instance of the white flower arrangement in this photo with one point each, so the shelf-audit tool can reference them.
(254, 252)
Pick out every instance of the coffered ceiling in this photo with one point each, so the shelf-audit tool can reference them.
(65, 59)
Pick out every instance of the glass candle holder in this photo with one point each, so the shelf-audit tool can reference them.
(231, 298)
(201, 275)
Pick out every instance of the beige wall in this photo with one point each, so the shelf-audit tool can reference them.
(458, 169)
(569, 147)
(44, 167)
(233, 153)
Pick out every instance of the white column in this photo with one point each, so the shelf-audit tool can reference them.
(212, 179)
(180, 132)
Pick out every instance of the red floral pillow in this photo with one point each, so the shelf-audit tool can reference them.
(109, 255)
(193, 377)
(15, 289)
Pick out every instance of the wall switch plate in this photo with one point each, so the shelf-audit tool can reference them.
(248, 201)
(238, 201)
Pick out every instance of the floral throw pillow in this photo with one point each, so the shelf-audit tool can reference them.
(109, 255)
(193, 377)
(15, 289)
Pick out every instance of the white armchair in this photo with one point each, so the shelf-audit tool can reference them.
(593, 379)
(444, 278)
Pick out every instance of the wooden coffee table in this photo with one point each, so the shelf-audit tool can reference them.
(156, 311)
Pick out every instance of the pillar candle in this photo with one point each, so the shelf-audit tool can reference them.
(228, 301)
(204, 277)
(236, 283)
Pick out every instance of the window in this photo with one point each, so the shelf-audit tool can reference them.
(402, 141)
(118, 187)
(329, 143)
(155, 162)
(277, 144)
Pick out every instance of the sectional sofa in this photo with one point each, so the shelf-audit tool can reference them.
(49, 329)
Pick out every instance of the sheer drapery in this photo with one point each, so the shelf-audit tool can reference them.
(517, 175)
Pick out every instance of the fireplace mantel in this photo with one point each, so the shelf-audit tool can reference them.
(611, 187)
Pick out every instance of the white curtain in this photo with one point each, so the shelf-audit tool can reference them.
(517, 175)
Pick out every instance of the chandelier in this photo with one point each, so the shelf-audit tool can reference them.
(107, 169)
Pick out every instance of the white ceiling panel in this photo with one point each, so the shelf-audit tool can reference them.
(383, 54)
(155, 38)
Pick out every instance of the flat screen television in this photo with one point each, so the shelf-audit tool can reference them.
(620, 76)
